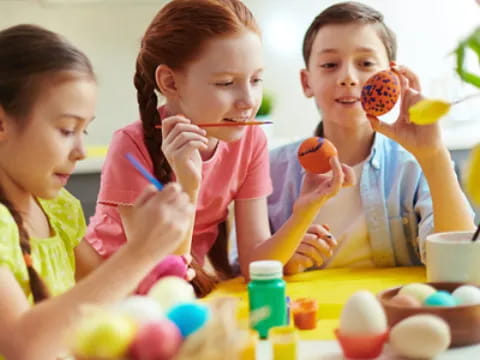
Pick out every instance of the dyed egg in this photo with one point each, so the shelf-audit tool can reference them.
(363, 315)
(171, 290)
(103, 334)
(472, 175)
(440, 298)
(467, 295)
(380, 93)
(428, 111)
(418, 291)
(405, 301)
(314, 155)
(158, 340)
(420, 336)
(189, 317)
(140, 308)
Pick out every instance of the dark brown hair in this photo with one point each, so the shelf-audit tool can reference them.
(29, 55)
(347, 13)
(176, 37)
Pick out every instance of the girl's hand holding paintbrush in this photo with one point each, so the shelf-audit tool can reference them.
(161, 221)
(182, 143)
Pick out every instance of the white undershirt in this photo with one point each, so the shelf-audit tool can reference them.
(344, 215)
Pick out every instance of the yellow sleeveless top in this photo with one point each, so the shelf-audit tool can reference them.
(53, 258)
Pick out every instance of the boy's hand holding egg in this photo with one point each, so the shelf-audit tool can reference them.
(318, 156)
(314, 155)
(380, 93)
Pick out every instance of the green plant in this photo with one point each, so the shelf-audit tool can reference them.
(472, 42)
(472, 178)
(266, 105)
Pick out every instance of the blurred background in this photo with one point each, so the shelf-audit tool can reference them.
(109, 32)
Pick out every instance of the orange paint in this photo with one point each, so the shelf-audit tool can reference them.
(314, 155)
(304, 312)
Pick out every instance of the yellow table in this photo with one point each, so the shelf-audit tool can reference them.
(331, 288)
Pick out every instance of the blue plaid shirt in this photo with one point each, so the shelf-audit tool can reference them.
(395, 199)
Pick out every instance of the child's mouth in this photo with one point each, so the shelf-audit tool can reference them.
(235, 120)
(63, 177)
(347, 100)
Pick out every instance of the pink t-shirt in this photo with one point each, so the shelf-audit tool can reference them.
(237, 170)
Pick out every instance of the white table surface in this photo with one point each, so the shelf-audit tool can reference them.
(330, 350)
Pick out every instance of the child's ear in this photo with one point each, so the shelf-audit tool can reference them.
(304, 79)
(166, 81)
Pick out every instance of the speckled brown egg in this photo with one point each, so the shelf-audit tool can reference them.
(380, 93)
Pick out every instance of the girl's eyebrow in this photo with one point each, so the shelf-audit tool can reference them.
(77, 117)
(224, 73)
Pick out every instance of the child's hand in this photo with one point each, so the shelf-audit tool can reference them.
(316, 247)
(318, 188)
(160, 221)
(420, 140)
(181, 145)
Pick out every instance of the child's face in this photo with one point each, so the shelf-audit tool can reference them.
(40, 157)
(343, 57)
(224, 83)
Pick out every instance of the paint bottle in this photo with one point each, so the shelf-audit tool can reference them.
(266, 296)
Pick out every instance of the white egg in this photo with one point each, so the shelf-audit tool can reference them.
(363, 315)
(140, 308)
(170, 291)
(418, 291)
(420, 337)
(467, 295)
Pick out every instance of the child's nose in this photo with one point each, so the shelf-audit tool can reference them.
(79, 152)
(246, 99)
(348, 77)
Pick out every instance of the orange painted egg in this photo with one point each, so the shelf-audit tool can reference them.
(314, 155)
(380, 93)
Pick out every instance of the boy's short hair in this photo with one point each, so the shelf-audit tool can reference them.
(347, 13)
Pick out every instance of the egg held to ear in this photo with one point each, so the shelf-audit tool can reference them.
(314, 155)
(380, 93)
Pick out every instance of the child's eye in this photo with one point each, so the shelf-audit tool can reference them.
(257, 80)
(367, 63)
(225, 83)
(66, 132)
(85, 132)
(328, 65)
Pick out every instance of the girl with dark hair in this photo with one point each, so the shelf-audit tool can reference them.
(47, 100)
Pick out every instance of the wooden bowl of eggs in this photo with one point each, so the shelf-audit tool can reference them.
(458, 304)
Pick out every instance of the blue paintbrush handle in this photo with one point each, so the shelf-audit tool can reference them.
(144, 171)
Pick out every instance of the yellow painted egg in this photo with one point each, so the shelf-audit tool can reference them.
(427, 111)
(472, 178)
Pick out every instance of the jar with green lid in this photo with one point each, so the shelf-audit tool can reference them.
(266, 290)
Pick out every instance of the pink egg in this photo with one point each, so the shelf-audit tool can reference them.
(157, 340)
(405, 301)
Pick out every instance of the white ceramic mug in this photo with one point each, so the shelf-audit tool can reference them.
(453, 257)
